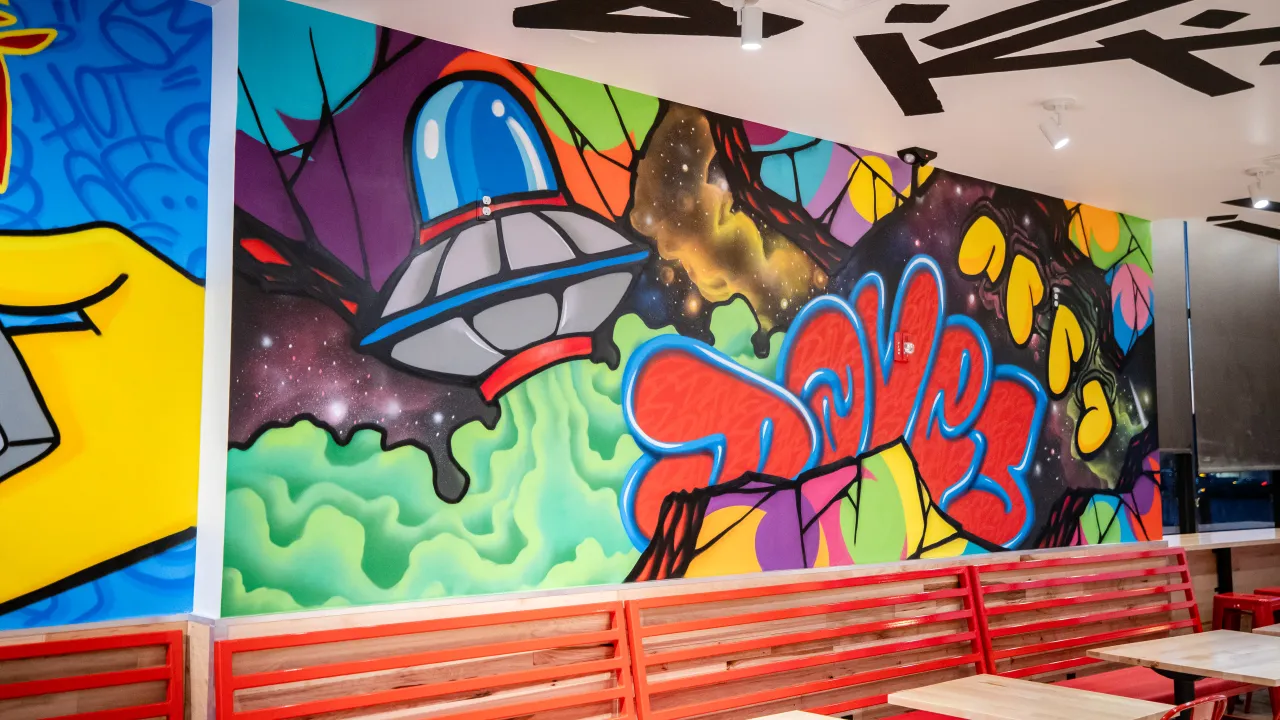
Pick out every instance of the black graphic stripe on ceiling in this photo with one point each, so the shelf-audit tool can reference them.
(1215, 19)
(678, 17)
(1245, 226)
(923, 13)
(1247, 203)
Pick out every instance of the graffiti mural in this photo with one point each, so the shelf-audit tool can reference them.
(498, 328)
(102, 253)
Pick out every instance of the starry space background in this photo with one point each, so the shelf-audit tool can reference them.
(932, 224)
(293, 356)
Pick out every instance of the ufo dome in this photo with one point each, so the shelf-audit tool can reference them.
(484, 290)
(472, 139)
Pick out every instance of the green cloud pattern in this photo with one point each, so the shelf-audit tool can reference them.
(314, 523)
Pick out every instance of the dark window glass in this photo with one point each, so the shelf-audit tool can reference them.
(1235, 501)
(1170, 505)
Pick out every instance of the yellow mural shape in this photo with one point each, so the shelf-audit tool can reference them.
(1093, 226)
(924, 524)
(1066, 347)
(1026, 291)
(733, 554)
(871, 188)
(125, 400)
(1096, 420)
(924, 174)
(983, 249)
(950, 549)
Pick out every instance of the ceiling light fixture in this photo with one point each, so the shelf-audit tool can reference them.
(751, 18)
(1052, 127)
(1257, 195)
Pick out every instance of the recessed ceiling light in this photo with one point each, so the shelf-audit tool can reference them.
(751, 18)
(1054, 130)
(1258, 196)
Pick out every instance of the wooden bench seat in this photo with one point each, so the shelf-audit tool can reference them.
(833, 648)
(566, 663)
(1040, 618)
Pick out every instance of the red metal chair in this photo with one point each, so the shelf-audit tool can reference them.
(1228, 608)
(1212, 707)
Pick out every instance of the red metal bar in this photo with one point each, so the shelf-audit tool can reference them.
(223, 694)
(782, 666)
(797, 612)
(355, 667)
(320, 637)
(647, 687)
(1082, 620)
(728, 648)
(1191, 596)
(423, 692)
(171, 672)
(527, 707)
(54, 648)
(623, 677)
(1085, 599)
(139, 712)
(982, 641)
(1082, 579)
(1066, 643)
(1068, 560)
(175, 657)
(618, 665)
(639, 667)
(1058, 666)
(82, 682)
(816, 586)
(811, 688)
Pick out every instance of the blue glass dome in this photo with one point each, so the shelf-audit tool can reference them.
(472, 139)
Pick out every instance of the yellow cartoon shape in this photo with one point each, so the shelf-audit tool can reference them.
(1066, 347)
(1026, 291)
(871, 188)
(1096, 421)
(122, 389)
(982, 249)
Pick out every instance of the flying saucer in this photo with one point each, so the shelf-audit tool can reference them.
(496, 297)
(27, 432)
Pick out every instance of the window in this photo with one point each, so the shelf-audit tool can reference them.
(1235, 501)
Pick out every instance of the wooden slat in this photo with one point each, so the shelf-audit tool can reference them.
(1041, 618)
(565, 663)
(832, 646)
(102, 675)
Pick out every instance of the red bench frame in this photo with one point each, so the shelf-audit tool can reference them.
(173, 671)
(1180, 569)
(227, 683)
(641, 659)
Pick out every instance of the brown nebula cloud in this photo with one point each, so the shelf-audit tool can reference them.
(685, 206)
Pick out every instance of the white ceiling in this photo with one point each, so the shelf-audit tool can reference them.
(1142, 143)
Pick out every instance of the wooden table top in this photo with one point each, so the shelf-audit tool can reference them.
(991, 697)
(1268, 630)
(1226, 654)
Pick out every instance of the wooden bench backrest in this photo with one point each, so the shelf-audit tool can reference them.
(1040, 617)
(830, 647)
(567, 663)
(134, 676)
